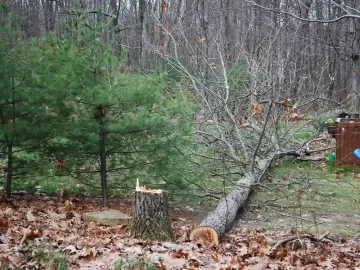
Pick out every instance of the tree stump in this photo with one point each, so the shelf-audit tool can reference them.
(151, 215)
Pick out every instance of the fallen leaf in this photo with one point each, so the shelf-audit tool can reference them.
(87, 252)
(256, 107)
(4, 248)
(68, 204)
(29, 233)
(202, 39)
(4, 223)
(179, 254)
(242, 250)
(71, 249)
(285, 101)
(215, 257)
(294, 116)
(29, 216)
(9, 212)
(194, 263)
(162, 266)
(164, 4)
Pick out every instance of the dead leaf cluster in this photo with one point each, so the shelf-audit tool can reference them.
(31, 220)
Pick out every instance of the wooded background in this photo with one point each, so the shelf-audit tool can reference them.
(296, 54)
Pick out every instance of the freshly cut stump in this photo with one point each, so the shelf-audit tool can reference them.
(206, 234)
(151, 215)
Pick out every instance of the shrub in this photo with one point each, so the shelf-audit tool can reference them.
(322, 120)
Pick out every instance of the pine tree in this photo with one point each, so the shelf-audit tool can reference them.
(118, 124)
(25, 120)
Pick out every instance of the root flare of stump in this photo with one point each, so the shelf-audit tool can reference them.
(151, 219)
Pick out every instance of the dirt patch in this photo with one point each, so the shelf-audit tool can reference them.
(192, 214)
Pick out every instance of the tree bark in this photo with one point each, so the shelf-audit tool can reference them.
(151, 216)
(103, 168)
(355, 104)
(223, 217)
(9, 172)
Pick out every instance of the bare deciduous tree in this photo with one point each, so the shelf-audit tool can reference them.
(249, 122)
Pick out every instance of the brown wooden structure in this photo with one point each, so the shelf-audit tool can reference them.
(347, 140)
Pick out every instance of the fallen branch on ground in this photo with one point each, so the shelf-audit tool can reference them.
(322, 239)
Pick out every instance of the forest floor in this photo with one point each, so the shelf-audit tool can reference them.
(39, 232)
(305, 216)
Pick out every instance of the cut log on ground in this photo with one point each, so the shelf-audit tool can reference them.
(222, 219)
(206, 234)
(151, 219)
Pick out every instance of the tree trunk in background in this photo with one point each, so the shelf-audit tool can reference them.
(151, 218)
(103, 168)
(238, 27)
(142, 30)
(355, 77)
(9, 168)
(228, 30)
(42, 19)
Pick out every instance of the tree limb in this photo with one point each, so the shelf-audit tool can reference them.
(347, 16)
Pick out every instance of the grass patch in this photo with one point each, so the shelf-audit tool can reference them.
(304, 133)
(52, 184)
(139, 264)
(46, 257)
(310, 196)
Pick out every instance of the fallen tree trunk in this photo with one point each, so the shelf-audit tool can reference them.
(222, 219)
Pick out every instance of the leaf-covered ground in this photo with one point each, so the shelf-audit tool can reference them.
(33, 225)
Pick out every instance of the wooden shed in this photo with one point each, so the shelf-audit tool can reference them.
(347, 140)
